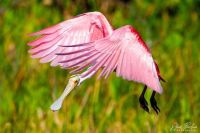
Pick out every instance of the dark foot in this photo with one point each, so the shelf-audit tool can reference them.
(142, 100)
(154, 103)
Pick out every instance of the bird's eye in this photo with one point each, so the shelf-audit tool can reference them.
(76, 82)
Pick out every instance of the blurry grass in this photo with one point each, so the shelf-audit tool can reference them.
(28, 88)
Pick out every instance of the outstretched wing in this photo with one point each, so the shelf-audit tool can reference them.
(84, 28)
(125, 52)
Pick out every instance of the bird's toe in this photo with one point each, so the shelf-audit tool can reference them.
(144, 104)
(154, 105)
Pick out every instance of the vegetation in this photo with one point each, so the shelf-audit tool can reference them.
(27, 88)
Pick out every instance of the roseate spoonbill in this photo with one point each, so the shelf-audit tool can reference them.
(88, 41)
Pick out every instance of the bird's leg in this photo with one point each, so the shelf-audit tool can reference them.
(142, 100)
(73, 82)
(154, 103)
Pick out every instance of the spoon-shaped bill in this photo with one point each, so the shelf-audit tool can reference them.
(73, 81)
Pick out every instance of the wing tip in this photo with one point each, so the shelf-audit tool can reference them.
(159, 88)
(32, 34)
(160, 91)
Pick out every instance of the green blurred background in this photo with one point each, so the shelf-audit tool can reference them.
(27, 89)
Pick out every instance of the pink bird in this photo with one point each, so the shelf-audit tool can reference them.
(88, 41)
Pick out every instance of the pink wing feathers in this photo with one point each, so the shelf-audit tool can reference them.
(84, 28)
(123, 51)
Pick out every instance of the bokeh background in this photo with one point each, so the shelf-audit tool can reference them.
(27, 89)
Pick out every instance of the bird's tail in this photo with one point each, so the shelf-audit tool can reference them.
(158, 72)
